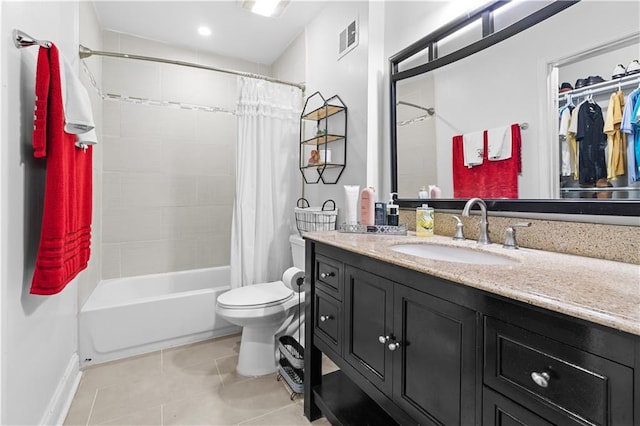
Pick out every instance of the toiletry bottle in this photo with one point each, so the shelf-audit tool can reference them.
(367, 207)
(434, 191)
(424, 221)
(392, 211)
(381, 214)
(423, 193)
(351, 203)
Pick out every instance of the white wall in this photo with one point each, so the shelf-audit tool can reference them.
(290, 66)
(347, 78)
(39, 333)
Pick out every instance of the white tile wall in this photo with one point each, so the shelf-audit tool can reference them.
(139, 258)
(169, 173)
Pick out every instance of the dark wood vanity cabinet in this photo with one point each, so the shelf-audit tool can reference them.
(415, 349)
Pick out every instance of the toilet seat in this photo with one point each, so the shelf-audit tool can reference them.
(256, 296)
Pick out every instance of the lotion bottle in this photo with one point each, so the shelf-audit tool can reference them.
(351, 203)
(367, 206)
(434, 191)
(424, 221)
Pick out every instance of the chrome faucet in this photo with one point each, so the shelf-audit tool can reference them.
(484, 223)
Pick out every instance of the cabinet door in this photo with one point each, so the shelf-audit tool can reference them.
(434, 370)
(368, 313)
(500, 411)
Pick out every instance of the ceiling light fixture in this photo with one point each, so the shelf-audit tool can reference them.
(265, 7)
(269, 8)
(204, 31)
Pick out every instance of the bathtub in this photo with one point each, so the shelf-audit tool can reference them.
(135, 315)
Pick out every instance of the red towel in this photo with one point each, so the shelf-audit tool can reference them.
(491, 179)
(65, 238)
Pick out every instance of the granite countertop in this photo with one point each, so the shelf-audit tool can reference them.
(601, 291)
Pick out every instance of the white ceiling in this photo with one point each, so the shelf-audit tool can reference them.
(236, 31)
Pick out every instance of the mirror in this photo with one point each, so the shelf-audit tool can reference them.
(508, 77)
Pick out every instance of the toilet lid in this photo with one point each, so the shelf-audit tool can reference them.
(257, 295)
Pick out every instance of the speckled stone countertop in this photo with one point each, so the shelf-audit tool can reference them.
(601, 291)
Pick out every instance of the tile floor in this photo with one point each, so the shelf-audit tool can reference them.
(188, 385)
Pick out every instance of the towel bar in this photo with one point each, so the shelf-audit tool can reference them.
(22, 39)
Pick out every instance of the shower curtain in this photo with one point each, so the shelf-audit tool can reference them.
(266, 180)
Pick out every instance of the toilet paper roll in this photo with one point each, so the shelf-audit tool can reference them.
(294, 279)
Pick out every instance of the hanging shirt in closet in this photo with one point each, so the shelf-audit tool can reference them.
(628, 128)
(573, 143)
(567, 151)
(616, 140)
(592, 143)
(635, 117)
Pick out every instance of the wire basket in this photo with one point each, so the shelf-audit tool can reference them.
(315, 219)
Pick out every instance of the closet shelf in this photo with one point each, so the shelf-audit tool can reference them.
(605, 86)
(603, 189)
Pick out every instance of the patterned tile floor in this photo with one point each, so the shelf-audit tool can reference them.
(188, 385)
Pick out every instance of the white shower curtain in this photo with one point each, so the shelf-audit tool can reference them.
(267, 178)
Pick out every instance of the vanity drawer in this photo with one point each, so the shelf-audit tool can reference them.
(329, 275)
(545, 374)
(327, 322)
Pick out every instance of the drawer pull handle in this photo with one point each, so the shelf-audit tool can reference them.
(541, 379)
(383, 339)
(326, 274)
(323, 318)
(393, 346)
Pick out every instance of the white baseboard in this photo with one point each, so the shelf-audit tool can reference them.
(63, 396)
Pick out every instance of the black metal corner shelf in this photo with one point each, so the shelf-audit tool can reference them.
(329, 117)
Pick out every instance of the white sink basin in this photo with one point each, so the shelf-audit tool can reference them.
(453, 254)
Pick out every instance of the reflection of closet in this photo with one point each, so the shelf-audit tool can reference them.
(323, 139)
(617, 187)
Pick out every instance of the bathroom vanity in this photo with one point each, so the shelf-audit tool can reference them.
(542, 339)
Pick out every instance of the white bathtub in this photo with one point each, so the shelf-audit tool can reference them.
(135, 315)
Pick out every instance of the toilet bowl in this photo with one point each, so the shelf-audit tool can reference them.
(262, 310)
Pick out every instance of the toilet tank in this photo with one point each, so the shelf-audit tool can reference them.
(297, 250)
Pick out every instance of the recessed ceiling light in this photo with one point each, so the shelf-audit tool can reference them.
(204, 31)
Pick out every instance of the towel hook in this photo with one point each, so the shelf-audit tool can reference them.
(22, 39)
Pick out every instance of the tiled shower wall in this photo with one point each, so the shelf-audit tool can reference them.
(168, 177)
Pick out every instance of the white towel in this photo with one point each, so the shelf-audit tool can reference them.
(499, 143)
(77, 105)
(473, 147)
(84, 139)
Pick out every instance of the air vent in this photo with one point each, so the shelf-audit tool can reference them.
(348, 39)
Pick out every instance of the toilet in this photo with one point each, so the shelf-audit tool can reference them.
(263, 310)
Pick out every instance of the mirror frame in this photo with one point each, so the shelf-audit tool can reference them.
(603, 207)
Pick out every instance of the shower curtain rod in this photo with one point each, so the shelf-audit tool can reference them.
(85, 52)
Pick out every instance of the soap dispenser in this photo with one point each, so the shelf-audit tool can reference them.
(392, 211)
(424, 221)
